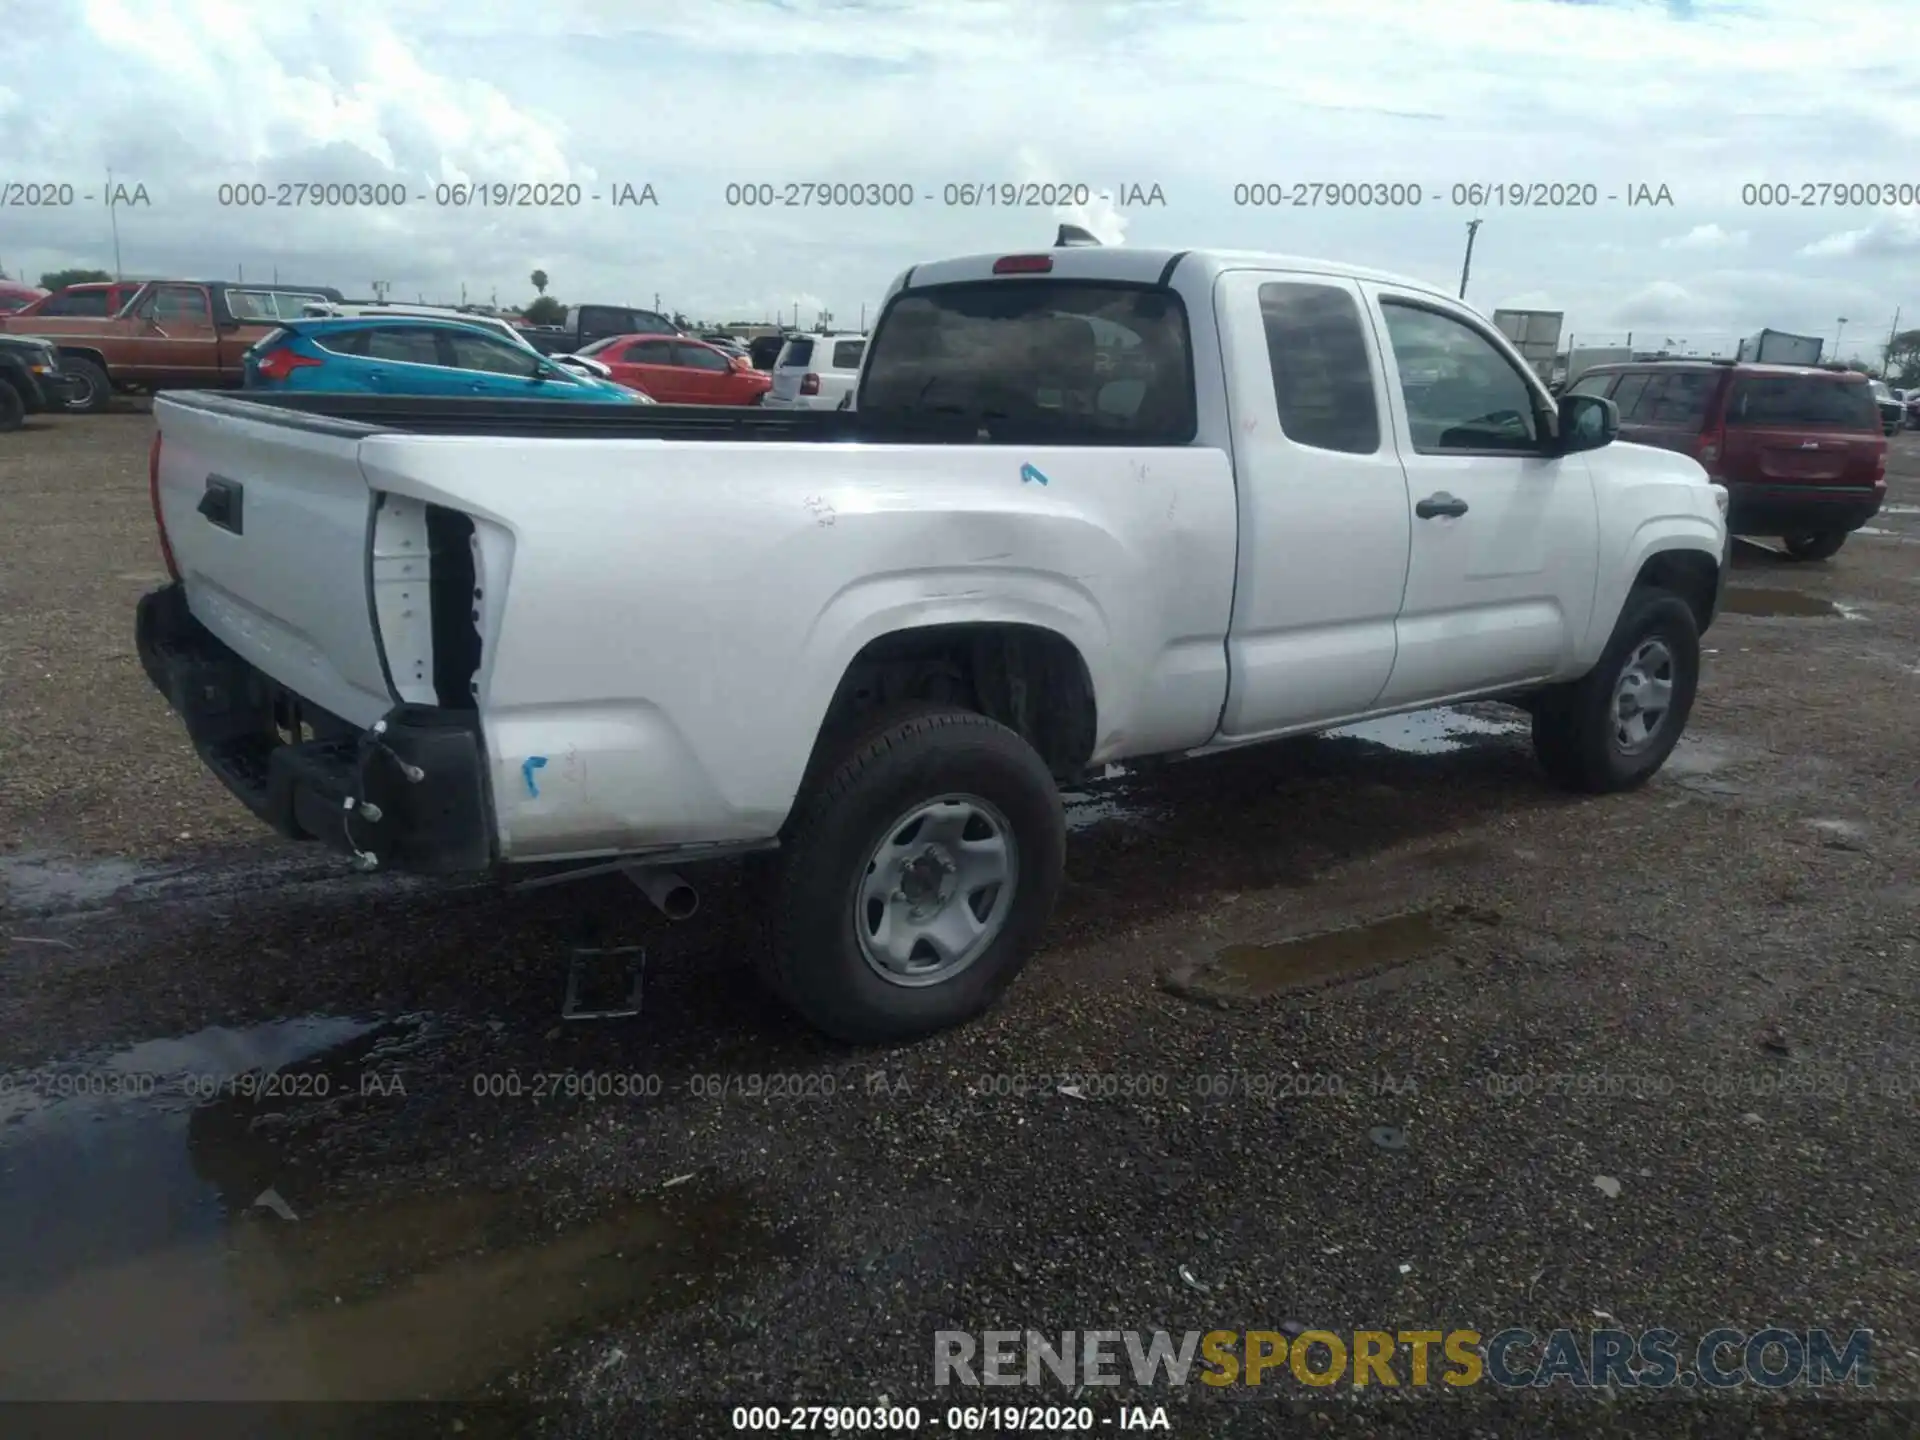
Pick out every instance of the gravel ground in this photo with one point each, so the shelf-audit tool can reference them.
(1650, 1060)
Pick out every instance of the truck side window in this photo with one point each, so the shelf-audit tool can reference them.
(1461, 392)
(1322, 374)
(182, 304)
(252, 305)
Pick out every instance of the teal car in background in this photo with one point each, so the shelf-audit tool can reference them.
(413, 355)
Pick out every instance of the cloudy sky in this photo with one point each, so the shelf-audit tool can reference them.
(1194, 97)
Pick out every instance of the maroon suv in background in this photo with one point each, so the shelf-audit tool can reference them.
(1799, 449)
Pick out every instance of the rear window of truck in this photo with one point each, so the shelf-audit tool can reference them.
(1065, 362)
(1803, 401)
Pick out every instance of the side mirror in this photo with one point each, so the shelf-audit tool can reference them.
(1586, 422)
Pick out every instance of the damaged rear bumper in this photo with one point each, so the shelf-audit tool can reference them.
(417, 783)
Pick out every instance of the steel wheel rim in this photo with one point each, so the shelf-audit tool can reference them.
(1643, 696)
(82, 391)
(936, 891)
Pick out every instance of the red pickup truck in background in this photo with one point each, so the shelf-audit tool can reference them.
(15, 297)
(173, 335)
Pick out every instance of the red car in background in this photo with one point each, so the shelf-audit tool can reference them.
(679, 370)
(15, 297)
(90, 297)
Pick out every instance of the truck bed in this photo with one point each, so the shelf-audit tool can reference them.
(638, 615)
(486, 415)
(363, 415)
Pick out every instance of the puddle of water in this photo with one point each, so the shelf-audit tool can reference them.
(1695, 765)
(1841, 834)
(32, 884)
(1696, 757)
(1900, 509)
(1257, 971)
(1428, 732)
(1085, 811)
(1743, 600)
(136, 1265)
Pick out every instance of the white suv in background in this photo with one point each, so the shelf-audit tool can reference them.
(816, 372)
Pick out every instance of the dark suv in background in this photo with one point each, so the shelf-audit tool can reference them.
(31, 381)
(1799, 449)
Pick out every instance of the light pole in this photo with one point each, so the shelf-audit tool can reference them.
(113, 219)
(1838, 332)
(1473, 228)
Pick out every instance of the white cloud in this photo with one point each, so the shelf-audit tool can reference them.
(1097, 213)
(1896, 233)
(1661, 303)
(1194, 97)
(1708, 237)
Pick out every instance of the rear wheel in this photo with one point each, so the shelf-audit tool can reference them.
(13, 410)
(1815, 545)
(89, 390)
(917, 877)
(1615, 726)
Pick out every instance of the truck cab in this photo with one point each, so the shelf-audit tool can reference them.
(590, 324)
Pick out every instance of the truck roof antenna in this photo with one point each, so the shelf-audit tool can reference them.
(1071, 235)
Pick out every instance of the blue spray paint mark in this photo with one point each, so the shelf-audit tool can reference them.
(1028, 472)
(532, 763)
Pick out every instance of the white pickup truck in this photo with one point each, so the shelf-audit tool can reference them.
(1091, 504)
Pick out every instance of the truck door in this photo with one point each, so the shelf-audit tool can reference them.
(1324, 522)
(172, 340)
(1505, 535)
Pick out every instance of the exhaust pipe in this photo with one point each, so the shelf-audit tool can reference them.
(670, 893)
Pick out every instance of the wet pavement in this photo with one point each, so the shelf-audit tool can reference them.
(1336, 1031)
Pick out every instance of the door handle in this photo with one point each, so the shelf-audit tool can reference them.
(1440, 504)
(221, 504)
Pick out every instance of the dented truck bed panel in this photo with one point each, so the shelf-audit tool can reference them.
(650, 631)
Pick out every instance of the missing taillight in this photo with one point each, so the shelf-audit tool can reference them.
(455, 597)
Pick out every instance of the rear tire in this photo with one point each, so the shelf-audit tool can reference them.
(1603, 732)
(932, 802)
(1817, 545)
(91, 388)
(13, 410)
